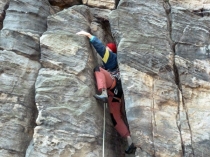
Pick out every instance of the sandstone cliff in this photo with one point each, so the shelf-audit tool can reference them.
(47, 83)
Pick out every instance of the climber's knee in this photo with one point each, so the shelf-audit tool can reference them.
(96, 69)
(113, 120)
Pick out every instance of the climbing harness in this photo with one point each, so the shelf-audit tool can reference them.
(104, 128)
(115, 73)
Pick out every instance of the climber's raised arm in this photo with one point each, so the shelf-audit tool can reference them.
(85, 34)
(107, 54)
(98, 45)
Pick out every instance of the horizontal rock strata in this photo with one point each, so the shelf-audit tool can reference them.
(24, 23)
(163, 56)
(17, 113)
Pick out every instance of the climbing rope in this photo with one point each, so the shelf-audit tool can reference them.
(104, 128)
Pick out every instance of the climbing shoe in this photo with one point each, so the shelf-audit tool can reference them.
(131, 149)
(103, 96)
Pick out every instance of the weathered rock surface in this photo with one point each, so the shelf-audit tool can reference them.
(24, 23)
(147, 76)
(191, 34)
(191, 5)
(17, 108)
(107, 4)
(69, 119)
(163, 54)
(166, 87)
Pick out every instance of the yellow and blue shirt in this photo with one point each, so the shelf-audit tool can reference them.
(109, 58)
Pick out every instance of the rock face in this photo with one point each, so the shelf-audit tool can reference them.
(23, 25)
(195, 5)
(47, 85)
(69, 119)
(148, 79)
(17, 77)
(165, 76)
(25, 21)
(191, 37)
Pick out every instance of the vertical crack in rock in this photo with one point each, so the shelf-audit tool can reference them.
(167, 8)
(62, 4)
(116, 3)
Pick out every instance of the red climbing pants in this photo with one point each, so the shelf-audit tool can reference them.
(116, 115)
(105, 80)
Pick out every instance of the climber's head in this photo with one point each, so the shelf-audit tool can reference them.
(112, 47)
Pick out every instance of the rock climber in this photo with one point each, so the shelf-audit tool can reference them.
(107, 79)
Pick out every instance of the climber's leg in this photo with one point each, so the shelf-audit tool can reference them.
(122, 129)
(115, 110)
(103, 78)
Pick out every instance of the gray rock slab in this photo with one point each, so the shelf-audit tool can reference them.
(145, 59)
(17, 103)
(25, 21)
(192, 60)
(190, 28)
(151, 109)
(70, 121)
(28, 16)
(17, 75)
(164, 96)
(148, 25)
(61, 47)
(194, 79)
(24, 43)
